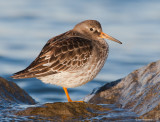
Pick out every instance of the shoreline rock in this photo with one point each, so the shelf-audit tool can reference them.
(12, 93)
(61, 110)
(138, 92)
(74, 111)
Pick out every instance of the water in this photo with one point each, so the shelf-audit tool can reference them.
(25, 26)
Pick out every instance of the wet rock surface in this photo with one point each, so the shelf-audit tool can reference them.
(138, 92)
(75, 112)
(63, 111)
(11, 93)
(12, 98)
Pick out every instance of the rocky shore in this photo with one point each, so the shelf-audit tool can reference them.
(136, 96)
(138, 92)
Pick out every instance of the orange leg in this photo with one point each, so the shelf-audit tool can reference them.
(68, 97)
(66, 92)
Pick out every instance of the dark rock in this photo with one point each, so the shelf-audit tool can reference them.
(138, 92)
(107, 94)
(11, 93)
(67, 111)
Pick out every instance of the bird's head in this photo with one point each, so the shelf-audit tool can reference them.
(93, 30)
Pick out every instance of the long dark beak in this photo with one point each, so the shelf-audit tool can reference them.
(106, 36)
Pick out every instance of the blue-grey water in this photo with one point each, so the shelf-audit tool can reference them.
(26, 25)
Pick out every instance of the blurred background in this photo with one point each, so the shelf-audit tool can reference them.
(26, 25)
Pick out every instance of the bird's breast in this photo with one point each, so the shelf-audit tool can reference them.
(101, 49)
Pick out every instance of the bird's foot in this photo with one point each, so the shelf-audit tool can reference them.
(76, 101)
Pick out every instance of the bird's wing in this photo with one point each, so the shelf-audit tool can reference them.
(66, 54)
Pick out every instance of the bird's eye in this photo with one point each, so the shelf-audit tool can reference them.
(91, 29)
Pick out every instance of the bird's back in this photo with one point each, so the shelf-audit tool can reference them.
(65, 52)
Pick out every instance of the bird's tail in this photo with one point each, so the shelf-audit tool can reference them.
(22, 74)
(31, 74)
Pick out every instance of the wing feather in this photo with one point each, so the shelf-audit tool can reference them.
(64, 54)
